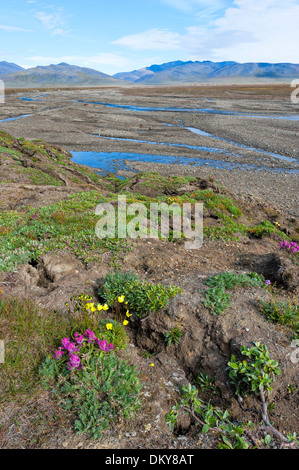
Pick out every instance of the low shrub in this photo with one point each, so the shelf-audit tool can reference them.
(229, 280)
(140, 296)
(282, 312)
(217, 300)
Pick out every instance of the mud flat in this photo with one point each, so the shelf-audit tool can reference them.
(246, 137)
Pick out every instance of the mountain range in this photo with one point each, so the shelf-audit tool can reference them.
(207, 71)
(53, 75)
(168, 73)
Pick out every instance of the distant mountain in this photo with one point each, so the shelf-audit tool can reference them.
(207, 71)
(57, 75)
(148, 72)
(8, 67)
(178, 71)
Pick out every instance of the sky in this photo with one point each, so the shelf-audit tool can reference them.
(123, 35)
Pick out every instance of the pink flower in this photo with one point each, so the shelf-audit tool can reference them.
(79, 338)
(65, 342)
(58, 354)
(71, 348)
(90, 336)
(104, 346)
(74, 362)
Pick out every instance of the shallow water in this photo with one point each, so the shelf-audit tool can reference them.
(29, 99)
(169, 144)
(204, 148)
(15, 118)
(254, 149)
(194, 110)
(111, 162)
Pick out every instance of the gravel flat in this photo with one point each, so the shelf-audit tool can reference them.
(245, 137)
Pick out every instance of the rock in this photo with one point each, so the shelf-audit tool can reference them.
(54, 267)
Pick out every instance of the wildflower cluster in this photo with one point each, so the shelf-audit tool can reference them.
(84, 313)
(72, 348)
(291, 247)
(80, 303)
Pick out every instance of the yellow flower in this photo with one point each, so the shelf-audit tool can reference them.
(93, 309)
(128, 314)
(109, 326)
(100, 307)
(125, 322)
(152, 364)
(121, 298)
(105, 307)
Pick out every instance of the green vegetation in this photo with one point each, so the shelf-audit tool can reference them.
(217, 300)
(66, 225)
(223, 204)
(209, 418)
(30, 334)
(206, 383)
(282, 312)
(142, 297)
(174, 335)
(105, 391)
(229, 280)
(265, 228)
(256, 374)
(83, 314)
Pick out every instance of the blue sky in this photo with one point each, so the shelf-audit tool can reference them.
(123, 35)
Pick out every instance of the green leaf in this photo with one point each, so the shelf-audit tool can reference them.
(205, 429)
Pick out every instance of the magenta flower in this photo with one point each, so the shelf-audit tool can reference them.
(291, 247)
(79, 338)
(74, 362)
(65, 342)
(104, 346)
(90, 336)
(58, 354)
(72, 348)
(268, 282)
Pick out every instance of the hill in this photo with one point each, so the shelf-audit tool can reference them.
(57, 75)
(9, 67)
(207, 71)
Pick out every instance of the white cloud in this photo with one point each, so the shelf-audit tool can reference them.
(250, 30)
(152, 39)
(54, 22)
(13, 29)
(272, 26)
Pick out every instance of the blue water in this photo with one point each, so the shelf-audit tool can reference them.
(204, 148)
(264, 152)
(15, 118)
(193, 147)
(110, 162)
(194, 110)
(29, 99)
